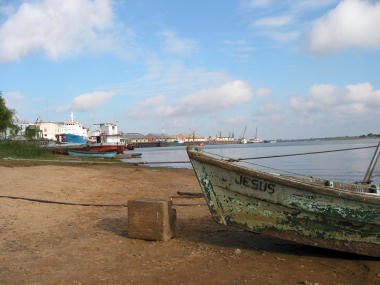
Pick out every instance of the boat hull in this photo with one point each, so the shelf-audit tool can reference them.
(291, 210)
(109, 154)
(100, 147)
(72, 138)
(167, 144)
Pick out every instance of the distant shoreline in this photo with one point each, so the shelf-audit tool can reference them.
(332, 138)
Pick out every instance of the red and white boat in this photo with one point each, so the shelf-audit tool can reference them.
(106, 138)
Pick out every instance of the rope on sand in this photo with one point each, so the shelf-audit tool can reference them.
(63, 203)
(80, 204)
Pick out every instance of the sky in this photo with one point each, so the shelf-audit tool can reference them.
(288, 68)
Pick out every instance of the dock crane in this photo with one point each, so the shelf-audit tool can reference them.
(242, 139)
(245, 129)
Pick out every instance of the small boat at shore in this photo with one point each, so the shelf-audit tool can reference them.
(128, 155)
(307, 210)
(104, 154)
(173, 143)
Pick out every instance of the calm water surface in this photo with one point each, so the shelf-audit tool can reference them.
(345, 166)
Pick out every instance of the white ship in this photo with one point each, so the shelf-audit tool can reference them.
(72, 132)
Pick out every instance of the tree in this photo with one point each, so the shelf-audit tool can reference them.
(32, 132)
(6, 117)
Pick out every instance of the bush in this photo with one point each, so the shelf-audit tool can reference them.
(23, 149)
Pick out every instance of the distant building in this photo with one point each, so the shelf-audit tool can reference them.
(161, 137)
(224, 139)
(22, 129)
(131, 138)
(19, 135)
(48, 130)
(194, 137)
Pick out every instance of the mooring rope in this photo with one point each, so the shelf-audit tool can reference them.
(302, 153)
(260, 165)
(255, 157)
(228, 159)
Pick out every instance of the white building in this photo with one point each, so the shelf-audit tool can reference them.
(49, 129)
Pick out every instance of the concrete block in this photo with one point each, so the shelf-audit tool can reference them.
(151, 219)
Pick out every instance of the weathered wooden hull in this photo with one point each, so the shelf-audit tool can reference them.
(289, 208)
(102, 147)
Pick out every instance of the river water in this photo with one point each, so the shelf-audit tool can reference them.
(347, 166)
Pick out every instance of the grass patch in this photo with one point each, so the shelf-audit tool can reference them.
(23, 149)
(30, 153)
(63, 162)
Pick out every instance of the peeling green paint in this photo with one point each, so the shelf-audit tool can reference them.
(368, 214)
(328, 221)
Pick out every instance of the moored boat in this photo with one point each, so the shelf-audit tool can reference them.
(104, 154)
(328, 214)
(107, 138)
(173, 143)
(128, 155)
(70, 138)
(72, 132)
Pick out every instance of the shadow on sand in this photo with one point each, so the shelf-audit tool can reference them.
(117, 226)
(206, 230)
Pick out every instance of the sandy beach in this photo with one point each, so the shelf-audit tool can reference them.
(60, 244)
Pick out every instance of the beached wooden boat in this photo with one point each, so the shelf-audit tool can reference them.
(128, 155)
(104, 154)
(328, 214)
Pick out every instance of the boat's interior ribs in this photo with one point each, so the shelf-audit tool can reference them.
(362, 188)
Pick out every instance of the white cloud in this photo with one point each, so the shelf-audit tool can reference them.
(88, 101)
(172, 43)
(14, 95)
(239, 120)
(205, 101)
(150, 107)
(282, 28)
(284, 21)
(177, 123)
(263, 92)
(271, 113)
(238, 48)
(273, 21)
(232, 93)
(353, 23)
(172, 78)
(60, 28)
(357, 99)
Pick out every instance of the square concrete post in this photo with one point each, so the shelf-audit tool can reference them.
(151, 219)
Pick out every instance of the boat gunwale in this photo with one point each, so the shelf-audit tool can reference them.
(372, 198)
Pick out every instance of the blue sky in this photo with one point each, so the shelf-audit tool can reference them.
(291, 68)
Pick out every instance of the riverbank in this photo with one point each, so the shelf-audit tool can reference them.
(60, 244)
